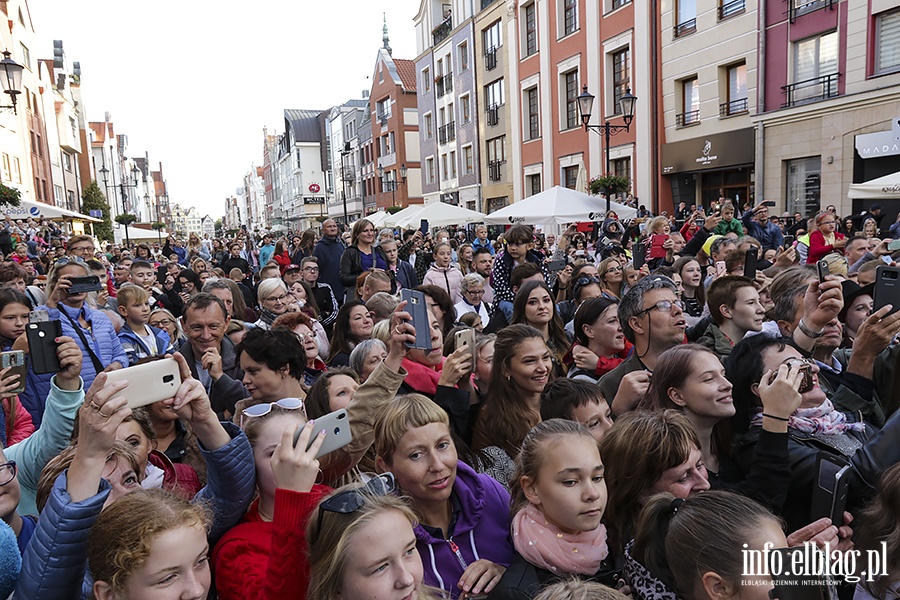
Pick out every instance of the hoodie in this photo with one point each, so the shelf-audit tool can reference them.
(446, 278)
(481, 531)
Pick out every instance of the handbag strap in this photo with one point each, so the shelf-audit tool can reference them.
(98, 365)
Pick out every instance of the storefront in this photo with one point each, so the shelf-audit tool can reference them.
(876, 172)
(703, 169)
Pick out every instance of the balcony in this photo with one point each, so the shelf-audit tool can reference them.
(683, 29)
(440, 33)
(493, 115)
(798, 8)
(735, 107)
(443, 85)
(447, 133)
(731, 9)
(490, 59)
(494, 169)
(687, 119)
(811, 90)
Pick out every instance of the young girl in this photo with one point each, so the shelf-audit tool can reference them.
(362, 546)
(534, 306)
(14, 311)
(464, 523)
(694, 294)
(443, 273)
(559, 496)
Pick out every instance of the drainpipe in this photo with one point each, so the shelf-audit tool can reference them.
(654, 107)
(760, 101)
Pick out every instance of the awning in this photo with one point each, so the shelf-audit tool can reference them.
(438, 214)
(559, 206)
(876, 189)
(39, 210)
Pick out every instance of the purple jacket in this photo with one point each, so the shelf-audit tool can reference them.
(481, 531)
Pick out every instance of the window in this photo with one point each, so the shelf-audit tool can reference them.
(815, 68)
(887, 40)
(7, 176)
(571, 90)
(429, 169)
(533, 130)
(533, 184)
(453, 164)
(690, 102)
(686, 17)
(619, 3)
(622, 167)
(426, 80)
(443, 167)
(26, 56)
(570, 177)
(621, 77)
(493, 93)
(496, 150)
(737, 91)
(804, 185)
(383, 110)
(465, 109)
(531, 45)
(57, 194)
(492, 36)
(16, 170)
(67, 161)
(463, 52)
(570, 17)
(469, 158)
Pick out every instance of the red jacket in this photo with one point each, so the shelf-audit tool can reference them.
(179, 479)
(818, 249)
(22, 425)
(267, 561)
(283, 260)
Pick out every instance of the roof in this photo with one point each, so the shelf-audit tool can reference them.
(304, 124)
(407, 71)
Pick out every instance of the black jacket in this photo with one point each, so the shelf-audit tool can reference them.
(523, 580)
(351, 264)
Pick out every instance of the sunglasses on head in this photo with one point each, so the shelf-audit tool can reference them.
(350, 501)
(261, 410)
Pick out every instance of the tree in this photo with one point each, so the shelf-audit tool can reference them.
(9, 195)
(93, 199)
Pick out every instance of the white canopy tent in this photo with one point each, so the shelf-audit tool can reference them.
(557, 206)
(876, 189)
(39, 210)
(378, 218)
(402, 214)
(438, 214)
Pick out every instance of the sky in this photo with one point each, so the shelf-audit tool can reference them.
(193, 82)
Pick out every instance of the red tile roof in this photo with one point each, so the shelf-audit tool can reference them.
(407, 71)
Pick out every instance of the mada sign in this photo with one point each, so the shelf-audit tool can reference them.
(718, 151)
(880, 143)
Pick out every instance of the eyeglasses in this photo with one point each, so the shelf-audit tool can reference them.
(664, 306)
(161, 323)
(474, 292)
(582, 281)
(276, 299)
(82, 249)
(614, 269)
(261, 410)
(350, 501)
(8, 472)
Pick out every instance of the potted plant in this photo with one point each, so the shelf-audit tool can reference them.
(9, 195)
(609, 184)
(125, 219)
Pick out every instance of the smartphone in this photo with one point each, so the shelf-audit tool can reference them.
(466, 339)
(423, 226)
(806, 381)
(556, 265)
(721, 269)
(769, 203)
(795, 586)
(418, 308)
(829, 496)
(750, 260)
(87, 283)
(14, 360)
(788, 241)
(656, 246)
(894, 245)
(699, 222)
(639, 256)
(41, 334)
(822, 270)
(149, 382)
(887, 288)
(336, 426)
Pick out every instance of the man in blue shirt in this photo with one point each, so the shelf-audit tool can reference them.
(756, 223)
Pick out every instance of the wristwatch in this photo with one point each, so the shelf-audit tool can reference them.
(809, 332)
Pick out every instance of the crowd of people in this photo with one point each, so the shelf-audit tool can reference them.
(645, 402)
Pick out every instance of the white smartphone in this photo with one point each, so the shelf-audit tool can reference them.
(149, 382)
(466, 338)
(337, 432)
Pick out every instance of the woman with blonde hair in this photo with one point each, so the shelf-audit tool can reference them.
(161, 318)
(611, 273)
(274, 300)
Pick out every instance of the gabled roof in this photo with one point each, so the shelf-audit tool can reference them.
(304, 124)
(407, 71)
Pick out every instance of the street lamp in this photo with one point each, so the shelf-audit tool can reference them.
(586, 103)
(345, 152)
(11, 79)
(122, 187)
(394, 183)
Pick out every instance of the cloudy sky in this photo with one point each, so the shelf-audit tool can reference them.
(193, 82)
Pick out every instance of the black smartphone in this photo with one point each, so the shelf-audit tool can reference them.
(822, 270)
(417, 306)
(750, 260)
(639, 255)
(556, 265)
(788, 242)
(699, 222)
(769, 203)
(829, 496)
(887, 288)
(42, 333)
(423, 226)
(790, 585)
(87, 283)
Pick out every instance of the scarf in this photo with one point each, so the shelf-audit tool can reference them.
(546, 547)
(421, 378)
(267, 317)
(822, 419)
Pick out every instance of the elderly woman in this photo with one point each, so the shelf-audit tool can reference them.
(303, 326)
(274, 300)
(825, 239)
(472, 289)
(366, 356)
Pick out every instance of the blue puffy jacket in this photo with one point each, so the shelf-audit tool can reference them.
(104, 341)
(55, 562)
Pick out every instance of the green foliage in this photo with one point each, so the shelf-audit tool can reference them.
(393, 209)
(93, 199)
(9, 195)
(158, 226)
(125, 219)
(615, 184)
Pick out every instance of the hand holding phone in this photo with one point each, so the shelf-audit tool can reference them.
(750, 262)
(336, 428)
(417, 306)
(12, 367)
(465, 338)
(149, 382)
(822, 270)
(41, 333)
(830, 491)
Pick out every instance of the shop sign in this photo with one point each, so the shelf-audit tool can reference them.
(880, 143)
(717, 151)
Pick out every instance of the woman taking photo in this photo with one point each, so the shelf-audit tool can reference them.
(362, 254)
(694, 292)
(352, 325)
(522, 366)
(189, 284)
(825, 240)
(274, 300)
(600, 346)
(534, 306)
(413, 441)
